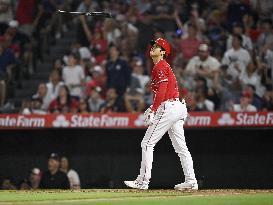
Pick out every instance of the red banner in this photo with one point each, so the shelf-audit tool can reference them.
(136, 120)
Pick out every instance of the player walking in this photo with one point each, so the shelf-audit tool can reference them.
(166, 114)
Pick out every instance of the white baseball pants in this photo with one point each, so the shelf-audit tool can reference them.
(170, 117)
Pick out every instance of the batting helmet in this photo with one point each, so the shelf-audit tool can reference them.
(162, 43)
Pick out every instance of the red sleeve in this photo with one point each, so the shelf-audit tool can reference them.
(160, 95)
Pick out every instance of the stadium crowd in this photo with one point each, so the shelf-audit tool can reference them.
(222, 53)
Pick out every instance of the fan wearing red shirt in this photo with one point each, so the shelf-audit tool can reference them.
(167, 114)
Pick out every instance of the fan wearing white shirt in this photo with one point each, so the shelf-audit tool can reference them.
(204, 65)
(72, 175)
(73, 75)
(244, 105)
(251, 77)
(237, 58)
(54, 84)
(246, 41)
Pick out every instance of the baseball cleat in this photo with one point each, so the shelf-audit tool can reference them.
(186, 186)
(136, 185)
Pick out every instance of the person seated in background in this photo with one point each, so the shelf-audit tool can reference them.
(237, 58)
(72, 175)
(190, 99)
(73, 75)
(42, 93)
(53, 178)
(204, 65)
(83, 106)
(7, 63)
(54, 84)
(8, 184)
(34, 178)
(32, 181)
(94, 99)
(245, 104)
(133, 97)
(268, 99)
(202, 103)
(64, 103)
(238, 28)
(118, 71)
(98, 79)
(34, 106)
(113, 102)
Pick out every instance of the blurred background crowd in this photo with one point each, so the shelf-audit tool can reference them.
(222, 54)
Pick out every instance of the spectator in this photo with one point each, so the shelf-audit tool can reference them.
(189, 45)
(268, 99)
(98, 46)
(239, 29)
(162, 14)
(25, 16)
(7, 63)
(235, 11)
(83, 106)
(118, 71)
(35, 178)
(73, 75)
(98, 80)
(53, 178)
(25, 107)
(263, 8)
(6, 13)
(250, 76)
(43, 95)
(128, 30)
(72, 175)
(54, 84)
(86, 6)
(113, 102)
(202, 103)
(36, 106)
(244, 105)
(111, 31)
(95, 101)
(237, 58)
(145, 27)
(265, 40)
(190, 99)
(254, 98)
(133, 98)
(64, 103)
(204, 65)
(98, 43)
(8, 184)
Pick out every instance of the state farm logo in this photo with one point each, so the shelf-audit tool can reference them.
(139, 122)
(60, 121)
(226, 119)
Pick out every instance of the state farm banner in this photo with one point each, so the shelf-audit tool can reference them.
(135, 120)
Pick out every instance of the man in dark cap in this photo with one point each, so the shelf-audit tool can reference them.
(54, 178)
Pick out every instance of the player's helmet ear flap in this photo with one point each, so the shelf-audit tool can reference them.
(163, 44)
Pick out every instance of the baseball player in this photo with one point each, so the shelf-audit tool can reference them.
(167, 114)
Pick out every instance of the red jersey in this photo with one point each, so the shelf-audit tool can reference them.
(162, 72)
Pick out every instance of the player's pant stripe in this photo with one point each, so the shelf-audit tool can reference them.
(151, 137)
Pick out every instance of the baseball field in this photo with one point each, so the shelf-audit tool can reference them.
(136, 197)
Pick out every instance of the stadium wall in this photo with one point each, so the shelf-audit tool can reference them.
(223, 158)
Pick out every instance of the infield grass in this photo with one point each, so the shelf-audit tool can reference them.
(135, 197)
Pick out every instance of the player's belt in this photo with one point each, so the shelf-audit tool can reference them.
(176, 99)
